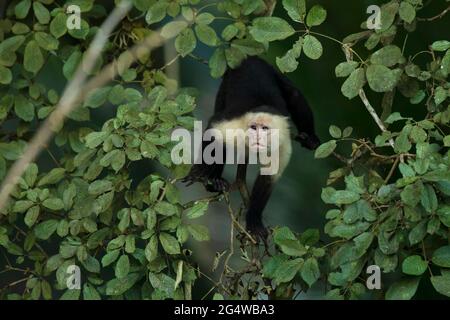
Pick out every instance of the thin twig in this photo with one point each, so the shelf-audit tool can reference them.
(236, 222)
(231, 250)
(438, 16)
(391, 172)
(362, 95)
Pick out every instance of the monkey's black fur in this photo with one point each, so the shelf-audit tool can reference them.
(255, 86)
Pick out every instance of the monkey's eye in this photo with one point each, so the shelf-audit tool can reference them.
(253, 127)
(265, 128)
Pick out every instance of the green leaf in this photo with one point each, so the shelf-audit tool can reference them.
(185, 42)
(418, 233)
(402, 143)
(156, 12)
(387, 56)
(22, 206)
(197, 210)
(310, 271)
(310, 237)
(33, 59)
(414, 265)
(71, 294)
(429, 199)
(335, 132)
(100, 186)
(97, 97)
(296, 9)
(288, 63)
(442, 284)
(169, 243)
(218, 63)
(388, 14)
(90, 293)
(71, 64)
(381, 78)
(288, 243)
(441, 257)
(31, 216)
(5, 75)
(116, 286)
(441, 45)
(54, 204)
(46, 41)
(316, 16)
(312, 47)
(23, 108)
(248, 46)
(440, 95)
(58, 26)
(204, 18)
(407, 12)
(94, 139)
(354, 83)
(54, 176)
(172, 29)
(110, 257)
(207, 35)
(166, 209)
(151, 250)
(22, 8)
(344, 69)
(45, 229)
(287, 270)
(234, 57)
(266, 29)
(403, 290)
(122, 266)
(325, 149)
(199, 232)
(82, 32)
(41, 12)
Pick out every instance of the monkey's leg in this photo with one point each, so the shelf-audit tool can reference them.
(241, 184)
(258, 199)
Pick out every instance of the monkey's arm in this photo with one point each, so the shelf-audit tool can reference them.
(210, 175)
(301, 113)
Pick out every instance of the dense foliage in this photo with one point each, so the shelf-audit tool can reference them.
(389, 201)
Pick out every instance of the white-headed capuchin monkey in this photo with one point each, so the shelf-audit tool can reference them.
(256, 98)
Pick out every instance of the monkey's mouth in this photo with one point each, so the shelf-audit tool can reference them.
(258, 146)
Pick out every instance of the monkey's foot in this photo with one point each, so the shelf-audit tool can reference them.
(217, 185)
(259, 231)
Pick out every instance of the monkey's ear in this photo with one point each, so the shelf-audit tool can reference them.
(310, 142)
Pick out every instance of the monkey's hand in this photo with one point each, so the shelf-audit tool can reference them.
(212, 184)
(258, 230)
(307, 141)
(217, 185)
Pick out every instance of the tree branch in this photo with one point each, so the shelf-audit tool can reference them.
(363, 97)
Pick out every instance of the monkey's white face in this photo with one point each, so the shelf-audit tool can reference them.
(259, 133)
